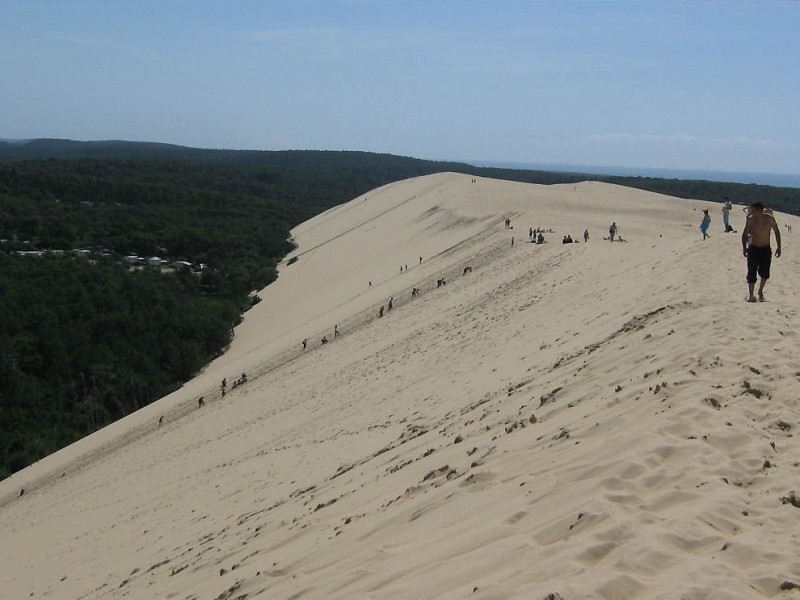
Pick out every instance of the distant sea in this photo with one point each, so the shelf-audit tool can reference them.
(777, 179)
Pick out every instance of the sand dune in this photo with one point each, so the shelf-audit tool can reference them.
(566, 421)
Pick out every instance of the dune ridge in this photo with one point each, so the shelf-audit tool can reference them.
(577, 421)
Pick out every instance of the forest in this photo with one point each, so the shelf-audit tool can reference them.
(86, 339)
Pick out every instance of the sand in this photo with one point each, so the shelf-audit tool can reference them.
(577, 421)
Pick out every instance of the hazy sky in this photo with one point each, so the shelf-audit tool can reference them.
(697, 85)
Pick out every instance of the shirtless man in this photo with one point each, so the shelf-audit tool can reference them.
(759, 253)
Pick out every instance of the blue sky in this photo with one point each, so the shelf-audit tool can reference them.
(689, 85)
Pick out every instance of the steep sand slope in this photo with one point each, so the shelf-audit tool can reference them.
(591, 420)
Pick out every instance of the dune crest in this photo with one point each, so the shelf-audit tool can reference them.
(591, 420)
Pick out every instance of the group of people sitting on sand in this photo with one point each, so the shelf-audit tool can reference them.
(536, 235)
(567, 239)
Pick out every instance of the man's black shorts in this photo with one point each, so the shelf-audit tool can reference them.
(759, 259)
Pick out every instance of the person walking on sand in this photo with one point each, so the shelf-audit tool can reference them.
(335, 331)
(612, 231)
(305, 343)
(390, 306)
(759, 252)
(705, 224)
(380, 311)
(585, 236)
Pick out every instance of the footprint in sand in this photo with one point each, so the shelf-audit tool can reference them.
(477, 482)
(595, 554)
(516, 517)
